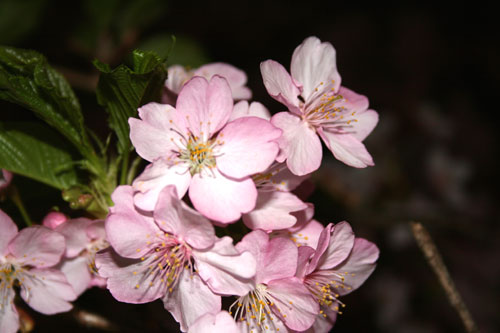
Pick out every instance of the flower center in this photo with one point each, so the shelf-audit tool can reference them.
(164, 263)
(324, 286)
(255, 309)
(198, 154)
(329, 112)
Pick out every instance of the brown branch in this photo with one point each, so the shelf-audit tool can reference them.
(94, 320)
(434, 259)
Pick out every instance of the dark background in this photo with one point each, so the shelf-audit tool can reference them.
(432, 72)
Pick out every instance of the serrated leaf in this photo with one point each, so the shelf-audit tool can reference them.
(35, 151)
(27, 79)
(122, 90)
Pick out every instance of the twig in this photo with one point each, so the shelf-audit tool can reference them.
(434, 259)
(16, 199)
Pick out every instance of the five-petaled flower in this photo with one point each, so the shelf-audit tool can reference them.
(318, 106)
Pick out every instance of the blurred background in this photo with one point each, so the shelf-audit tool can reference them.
(431, 72)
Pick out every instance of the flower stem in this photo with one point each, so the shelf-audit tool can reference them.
(16, 198)
(124, 168)
(435, 260)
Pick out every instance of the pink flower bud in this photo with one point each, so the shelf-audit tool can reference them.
(54, 219)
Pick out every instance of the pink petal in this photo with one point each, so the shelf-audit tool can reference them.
(280, 85)
(47, 291)
(155, 178)
(210, 323)
(174, 217)
(276, 258)
(359, 265)
(177, 76)
(299, 143)
(205, 106)
(221, 198)
(9, 318)
(75, 233)
(225, 270)
(127, 229)
(338, 246)
(77, 273)
(308, 234)
(256, 109)
(324, 322)
(305, 253)
(234, 76)
(248, 146)
(128, 280)
(297, 307)
(96, 230)
(314, 63)
(367, 121)
(272, 211)
(346, 148)
(190, 300)
(154, 136)
(8, 230)
(38, 246)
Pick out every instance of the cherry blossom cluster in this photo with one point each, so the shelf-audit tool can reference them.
(215, 159)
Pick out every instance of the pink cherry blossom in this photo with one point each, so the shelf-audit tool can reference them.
(274, 299)
(172, 254)
(178, 76)
(84, 238)
(319, 108)
(194, 146)
(339, 264)
(275, 202)
(26, 258)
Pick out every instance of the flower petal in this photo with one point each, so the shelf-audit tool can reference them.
(8, 230)
(276, 258)
(346, 148)
(75, 233)
(359, 265)
(128, 279)
(156, 134)
(38, 246)
(205, 106)
(174, 217)
(314, 66)
(177, 76)
(248, 146)
(234, 76)
(299, 143)
(126, 228)
(272, 211)
(280, 85)
(77, 273)
(256, 109)
(47, 291)
(336, 248)
(224, 269)
(190, 300)
(9, 318)
(155, 178)
(221, 198)
(214, 323)
(297, 307)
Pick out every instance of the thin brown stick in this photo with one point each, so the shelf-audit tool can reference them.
(434, 259)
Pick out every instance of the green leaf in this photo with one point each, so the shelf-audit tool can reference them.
(122, 90)
(35, 151)
(27, 79)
